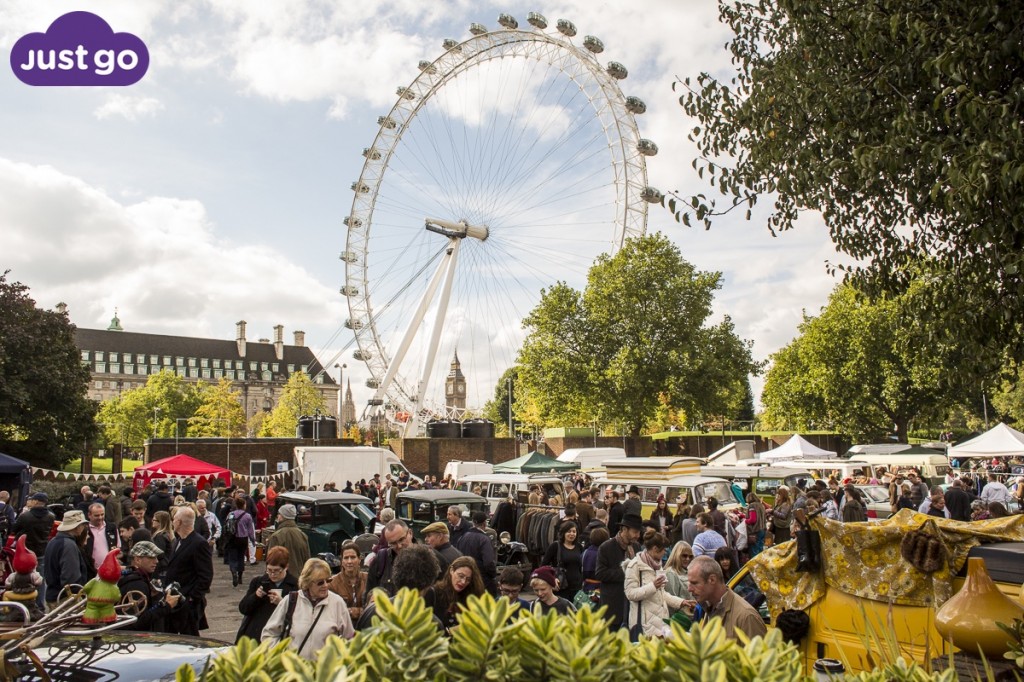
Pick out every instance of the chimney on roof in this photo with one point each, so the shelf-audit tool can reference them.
(300, 338)
(240, 337)
(62, 308)
(279, 341)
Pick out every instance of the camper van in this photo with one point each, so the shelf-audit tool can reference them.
(762, 480)
(498, 487)
(841, 469)
(591, 459)
(327, 464)
(674, 477)
(933, 468)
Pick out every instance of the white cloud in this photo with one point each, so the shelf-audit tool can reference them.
(128, 107)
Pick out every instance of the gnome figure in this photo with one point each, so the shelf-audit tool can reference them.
(23, 585)
(102, 593)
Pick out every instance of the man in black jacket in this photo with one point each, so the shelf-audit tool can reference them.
(191, 566)
(102, 537)
(36, 523)
(161, 500)
(476, 544)
(958, 502)
(63, 558)
(457, 523)
(610, 556)
(398, 536)
(615, 511)
(138, 578)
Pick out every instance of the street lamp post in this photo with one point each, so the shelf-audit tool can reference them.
(177, 422)
(156, 413)
(341, 390)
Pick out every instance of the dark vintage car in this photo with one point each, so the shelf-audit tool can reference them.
(329, 518)
(420, 508)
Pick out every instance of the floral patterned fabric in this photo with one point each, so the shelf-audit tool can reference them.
(864, 559)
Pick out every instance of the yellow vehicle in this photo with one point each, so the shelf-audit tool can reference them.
(674, 477)
(867, 593)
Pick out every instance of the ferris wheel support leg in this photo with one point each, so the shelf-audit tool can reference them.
(412, 427)
(410, 332)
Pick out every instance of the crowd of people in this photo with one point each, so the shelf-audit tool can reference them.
(676, 564)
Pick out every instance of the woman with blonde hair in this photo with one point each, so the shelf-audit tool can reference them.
(676, 570)
(316, 613)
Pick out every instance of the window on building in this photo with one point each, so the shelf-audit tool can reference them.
(264, 366)
(267, 376)
(142, 369)
(154, 369)
(191, 362)
(140, 359)
(257, 467)
(305, 369)
(254, 366)
(100, 356)
(216, 363)
(239, 364)
(206, 373)
(230, 374)
(99, 384)
(275, 367)
(85, 355)
(129, 369)
(205, 362)
(218, 373)
(154, 359)
(167, 359)
(179, 361)
(113, 357)
(291, 370)
(181, 372)
(320, 378)
(115, 368)
(101, 367)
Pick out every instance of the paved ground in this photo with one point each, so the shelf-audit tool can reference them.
(222, 602)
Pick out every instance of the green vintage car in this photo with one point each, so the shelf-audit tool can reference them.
(420, 508)
(329, 519)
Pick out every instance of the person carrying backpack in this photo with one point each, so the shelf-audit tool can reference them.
(239, 530)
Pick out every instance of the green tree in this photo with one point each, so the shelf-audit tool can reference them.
(162, 408)
(496, 409)
(900, 122)
(220, 413)
(862, 367)
(45, 414)
(636, 333)
(299, 397)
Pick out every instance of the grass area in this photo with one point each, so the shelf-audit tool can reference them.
(103, 466)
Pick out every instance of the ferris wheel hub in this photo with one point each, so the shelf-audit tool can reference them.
(459, 230)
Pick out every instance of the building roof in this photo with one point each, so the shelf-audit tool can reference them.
(186, 346)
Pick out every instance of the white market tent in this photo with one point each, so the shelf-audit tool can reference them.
(999, 441)
(796, 447)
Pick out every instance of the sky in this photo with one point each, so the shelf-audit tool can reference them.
(214, 189)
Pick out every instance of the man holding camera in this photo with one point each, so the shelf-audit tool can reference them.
(191, 566)
(139, 578)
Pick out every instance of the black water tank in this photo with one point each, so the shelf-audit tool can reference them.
(477, 428)
(443, 428)
(320, 426)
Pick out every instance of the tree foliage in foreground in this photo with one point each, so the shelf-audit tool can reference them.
(862, 367)
(43, 386)
(902, 123)
(633, 342)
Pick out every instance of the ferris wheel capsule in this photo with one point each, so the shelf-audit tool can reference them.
(371, 153)
(449, 44)
(353, 323)
(537, 20)
(405, 93)
(652, 195)
(349, 291)
(352, 222)
(359, 187)
(508, 21)
(617, 70)
(566, 28)
(647, 147)
(427, 67)
(593, 44)
(348, 257)
(635, 105)
(477, 29)
(361, 355)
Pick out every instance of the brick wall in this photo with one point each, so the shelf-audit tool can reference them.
(243, 450)
(430, 455)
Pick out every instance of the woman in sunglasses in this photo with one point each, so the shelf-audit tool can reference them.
(310, 615)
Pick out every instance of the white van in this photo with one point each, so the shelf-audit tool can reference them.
(497, 487)
(458, 469)
(329, 464)
(591, 459)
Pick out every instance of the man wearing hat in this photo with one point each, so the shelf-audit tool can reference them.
(64, 560)
(436, 536)
(36, 522)
(138, 578)
(633, 505)
(288, 535)
(610, 556)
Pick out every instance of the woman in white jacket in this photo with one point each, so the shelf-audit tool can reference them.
(311, 614)
(649, 602)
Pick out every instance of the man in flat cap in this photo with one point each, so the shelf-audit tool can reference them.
(139, 578)
(35, 523)
(436, 536)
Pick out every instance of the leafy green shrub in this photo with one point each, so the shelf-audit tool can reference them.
(492, 643)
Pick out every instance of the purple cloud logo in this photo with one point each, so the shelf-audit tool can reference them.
(79, 48)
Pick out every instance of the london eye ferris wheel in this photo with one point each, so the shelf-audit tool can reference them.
(509, 163)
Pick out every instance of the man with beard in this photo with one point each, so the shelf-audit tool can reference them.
(64, 560)
(610, 556)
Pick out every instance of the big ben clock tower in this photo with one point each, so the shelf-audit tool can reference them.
(455, 386)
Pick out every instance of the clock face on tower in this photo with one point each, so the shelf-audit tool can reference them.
(460, 389)
(449, 389)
